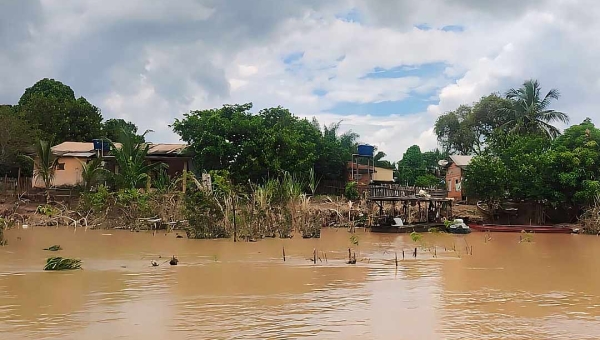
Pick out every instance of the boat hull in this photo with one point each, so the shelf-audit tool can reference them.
(520, 228)
(406, 229)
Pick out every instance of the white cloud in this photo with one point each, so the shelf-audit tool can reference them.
(150, 61)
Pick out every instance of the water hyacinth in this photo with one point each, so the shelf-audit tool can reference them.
(59, 263)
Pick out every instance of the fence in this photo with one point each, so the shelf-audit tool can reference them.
(331, 187)
(14, 186)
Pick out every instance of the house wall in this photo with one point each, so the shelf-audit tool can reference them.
(384, 175)
(454, 182)
(363, 177)
(70, 176)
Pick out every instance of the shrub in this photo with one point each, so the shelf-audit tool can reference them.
(204, 215)
(351, 191)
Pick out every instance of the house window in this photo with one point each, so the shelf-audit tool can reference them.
(60, 166)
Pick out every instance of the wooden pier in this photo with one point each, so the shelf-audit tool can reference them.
(432, 206)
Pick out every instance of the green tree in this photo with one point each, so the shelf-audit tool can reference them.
(530, 113)
(51, 107)
(335, 150)
(454, 132)
(48, 88)
(486, 179)
(45, 163)
(467, 129)
(410, 166)
(256, 147)
(16, 138)
(427, 180)
(112, 128)
(575, 164)
(527, 164)
(133, 169)
(91, 173)
(351, 191)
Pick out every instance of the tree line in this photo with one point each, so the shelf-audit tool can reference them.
(519, 153)
(49, 111)
(250, 146)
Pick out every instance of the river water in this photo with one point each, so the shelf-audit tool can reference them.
(545, 289)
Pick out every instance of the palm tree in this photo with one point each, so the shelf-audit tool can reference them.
(45, 164)
(530, 114)
(130, 157)
(91, 173)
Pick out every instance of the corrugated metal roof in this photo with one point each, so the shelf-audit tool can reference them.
(78, 154)
(72, 147)
(461, 160)
(68, 148)
(166, 149)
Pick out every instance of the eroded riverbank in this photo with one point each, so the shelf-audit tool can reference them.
(546, 289)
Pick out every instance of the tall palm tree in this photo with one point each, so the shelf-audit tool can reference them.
(530, 113)
(45, 164)
(130, 157)
(91, 173)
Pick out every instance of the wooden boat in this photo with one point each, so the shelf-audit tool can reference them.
(458, 226)
(395, 225)
(516, 228)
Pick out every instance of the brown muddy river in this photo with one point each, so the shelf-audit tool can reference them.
(546, 289)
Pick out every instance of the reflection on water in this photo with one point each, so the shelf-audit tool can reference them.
(547, 289)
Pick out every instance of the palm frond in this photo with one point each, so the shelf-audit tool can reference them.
(529, 112)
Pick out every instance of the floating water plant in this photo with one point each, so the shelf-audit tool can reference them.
(55, 247)
(60, 263)
(525, 237)
(416, 237)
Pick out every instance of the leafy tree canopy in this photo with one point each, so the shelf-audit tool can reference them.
(522, 111)
(48, 88)
(51, 107)
(264, 145)
(420, 168)
(113, 130)
(467, 129)
(16, 138)
(486, 178)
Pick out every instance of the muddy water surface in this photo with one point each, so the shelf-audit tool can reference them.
(547, 289)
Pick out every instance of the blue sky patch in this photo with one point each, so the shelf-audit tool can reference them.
(453, 28)
(351, 16)
(293, 57)
(423, 27)
(423, 71)
(319, 92)
(415, 103)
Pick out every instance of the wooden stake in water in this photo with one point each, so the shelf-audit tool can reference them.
(283, 254)
(403, 254)
(471, 250)
(415, 253)
(234, 222)
(314, 256)
(396, 260)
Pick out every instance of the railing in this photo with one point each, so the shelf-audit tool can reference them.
(394, 190)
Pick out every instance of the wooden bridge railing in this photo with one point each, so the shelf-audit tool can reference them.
(394, 190)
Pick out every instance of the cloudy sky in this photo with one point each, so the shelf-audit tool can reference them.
(385, 68)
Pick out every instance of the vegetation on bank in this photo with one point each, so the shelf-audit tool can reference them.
(520, 155)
